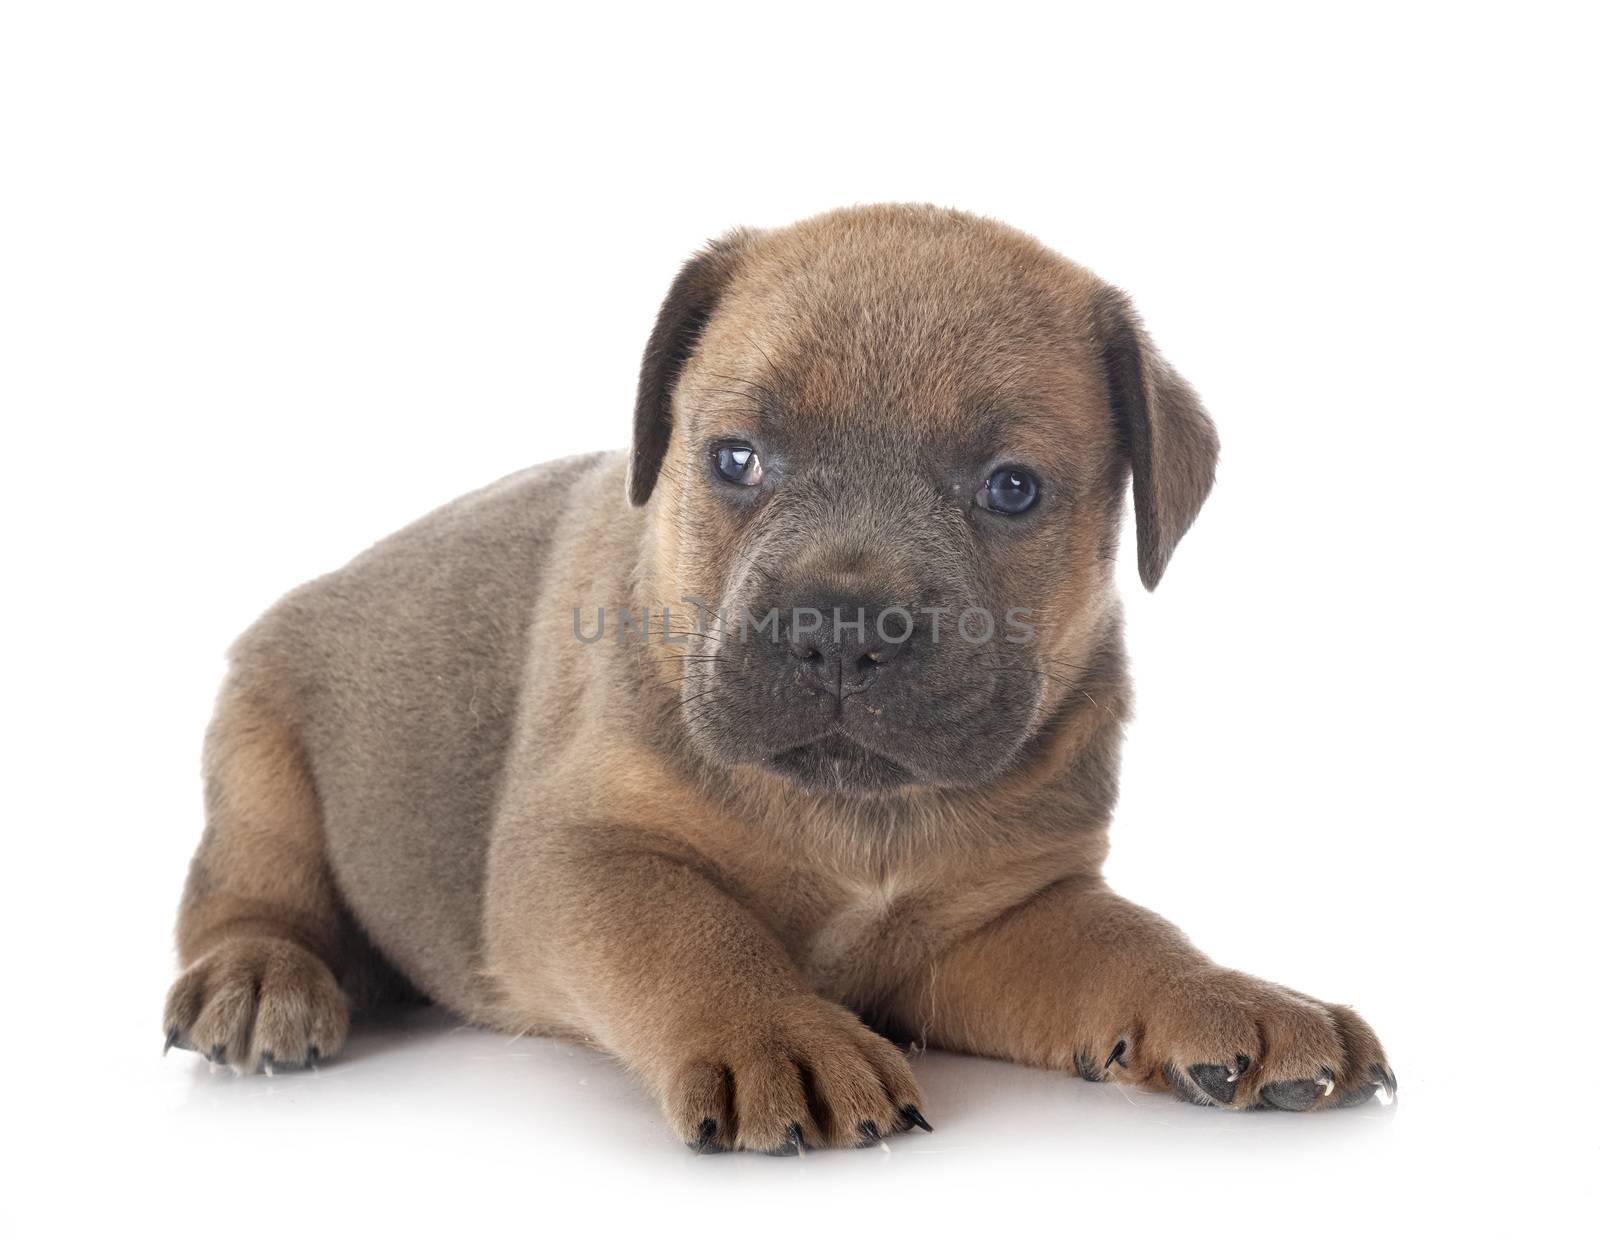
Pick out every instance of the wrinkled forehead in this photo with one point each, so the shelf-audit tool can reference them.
(963, 331)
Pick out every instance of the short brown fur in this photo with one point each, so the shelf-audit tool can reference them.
(416, 766)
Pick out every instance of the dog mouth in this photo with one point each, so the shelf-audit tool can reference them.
(837, 762)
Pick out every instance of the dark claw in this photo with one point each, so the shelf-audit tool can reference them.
(792, 1145)
(313, 1057)
(219, 1054)
(1088, 1069)
(1299, 1095)
(1355, 1097)
(1382, 1077)
(1117, 1053)
(1213, 1078)
(870, 1135)
(1180, 1086)
(705, 1138)
(913, 1117)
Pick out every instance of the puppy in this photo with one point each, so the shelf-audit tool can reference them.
(793, 730)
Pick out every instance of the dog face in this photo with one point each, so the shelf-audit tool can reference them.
(885, 451)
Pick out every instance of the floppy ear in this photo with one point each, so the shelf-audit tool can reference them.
(682, 317)
(1169, 439)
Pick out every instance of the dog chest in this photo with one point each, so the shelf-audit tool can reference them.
(853, 941)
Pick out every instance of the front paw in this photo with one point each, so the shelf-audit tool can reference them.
(797, 1075)
(1225, 1039)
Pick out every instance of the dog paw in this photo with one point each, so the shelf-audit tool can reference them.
(803, 1075)
(257, 1004)
(1224, 1039)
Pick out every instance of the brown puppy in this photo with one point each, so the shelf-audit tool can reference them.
(715, 837)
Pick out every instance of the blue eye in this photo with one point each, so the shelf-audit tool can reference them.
(1010, 491)
(737, 463)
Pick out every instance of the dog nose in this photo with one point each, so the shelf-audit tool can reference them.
(843, 647)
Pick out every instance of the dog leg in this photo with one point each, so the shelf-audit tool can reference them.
(631, 941)
(1076, 976)
(259, 927)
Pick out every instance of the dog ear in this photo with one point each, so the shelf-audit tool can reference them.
(690, 302)
(1169, 439)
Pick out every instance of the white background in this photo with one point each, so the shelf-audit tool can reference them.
(275, 279)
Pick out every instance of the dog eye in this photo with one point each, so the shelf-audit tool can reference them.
(738, 463)
(1010, 491)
